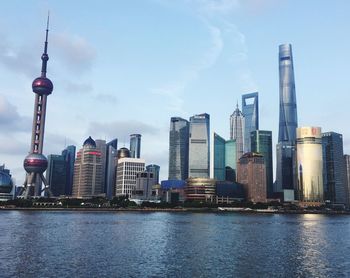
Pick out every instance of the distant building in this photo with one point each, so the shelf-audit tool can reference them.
(56, 174)
(144, 183)
(217, 157)
(87, 180)
(199, 156)
(230, 160)
(111, 159)
(155, 169)
(200, 189)
(250, 110)
(173, 191)
(135, 145)
(69, 157)
(237, 131)
(7, 189)
(227, 192)
(309, 164)
(347, 176)
(102, 147)
(261, 142)
(334, 171)
(127, 170)
(251, 173)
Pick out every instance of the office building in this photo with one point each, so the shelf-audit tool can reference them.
(144, 183)
(155, 169)
(56, 174)
(6, 185)
(347, 176)
(217, 157)
(69, 157)
(230, 160)
(199, 143)
(334, 172)
(135, 145)
(251, 173)
(309, 164)
(102, 147)
(111, 159)
(250, 110)
(178, 148)
(200, 189)
(261, 142)
(237, 131)
(87, 181)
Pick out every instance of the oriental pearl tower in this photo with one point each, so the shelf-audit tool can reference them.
(35, 163)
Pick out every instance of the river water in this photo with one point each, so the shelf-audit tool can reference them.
(165, 244)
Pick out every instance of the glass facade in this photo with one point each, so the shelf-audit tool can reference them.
(155, 169)
(111, 156)
(261, 142)
(347, 177)
(199, 146)
(217, 156)
(288, 121)
(334, 171)
(178, 149)
(250, 110)
(230, 159)
(69, 157)
(237, 131)
(135, 145)
(309, 164)
(56, 174)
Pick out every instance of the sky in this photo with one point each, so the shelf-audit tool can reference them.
(123, 67)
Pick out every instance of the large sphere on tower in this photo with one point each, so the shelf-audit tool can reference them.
(42, 86)
(35, 163)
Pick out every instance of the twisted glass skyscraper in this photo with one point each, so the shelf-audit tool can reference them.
(288, 121)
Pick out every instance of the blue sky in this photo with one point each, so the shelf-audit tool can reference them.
(122, 67)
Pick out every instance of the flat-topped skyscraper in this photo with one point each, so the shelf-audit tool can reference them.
(288, 121)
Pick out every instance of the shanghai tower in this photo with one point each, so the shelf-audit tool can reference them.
(288, 121)
(35, 162)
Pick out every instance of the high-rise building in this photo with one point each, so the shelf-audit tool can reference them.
(251, 173)
(217, 157)
(261, 142)
(250, 110)
(35, 163)
(309, 164)
(102, 147)
(143, 188)
(6, 185)
(347, 176)
(237, 131)
(288, 122)
(178, 149)
(111, 157)
(56, 174)
(155, 169)
(127, 168)
(87, 181)
(334, 171)
(69, 157)
(199, 146)
(135, 145)
(230, 160)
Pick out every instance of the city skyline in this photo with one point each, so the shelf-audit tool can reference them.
(79, 59)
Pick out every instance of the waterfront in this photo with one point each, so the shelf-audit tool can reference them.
(165, 244)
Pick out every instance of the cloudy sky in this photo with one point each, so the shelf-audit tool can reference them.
(122, 67)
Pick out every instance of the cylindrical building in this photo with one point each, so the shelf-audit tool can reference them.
(309, 164)
(200, 189)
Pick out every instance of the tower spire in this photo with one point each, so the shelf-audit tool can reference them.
(45, 56)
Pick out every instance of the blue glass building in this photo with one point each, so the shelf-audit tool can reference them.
(135, 145)
(199, 143)
(250, 110)
(69, 157)
(111, 156)
(230, 160)
(155, 169)
(217, 156)
(56, 174)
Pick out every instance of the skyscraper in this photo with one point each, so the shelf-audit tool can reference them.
(56, 174)
(288, 122)
(199, 146)
(111, 156)
(309, 164)
(178, 148)
(237, 131)
(102, 147)
(87, 180)
(217, 157)
(347, 176)
(69, 157)
(261, 142)
(334, 171)
(250, 110)
(135, 145)
(35, 163)
(153, 168)
(230, 160)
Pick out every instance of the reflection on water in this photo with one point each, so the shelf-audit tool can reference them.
(97, 244)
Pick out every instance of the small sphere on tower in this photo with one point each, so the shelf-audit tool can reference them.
(42, 86)
(35, 163)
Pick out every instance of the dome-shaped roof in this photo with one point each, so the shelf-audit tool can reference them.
(89, 142)
(5, 183)
(42, 86)
(123, 152)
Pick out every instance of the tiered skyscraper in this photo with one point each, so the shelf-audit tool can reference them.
(35, 163)
(237, 131)
(288, 121)
(250, 110)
